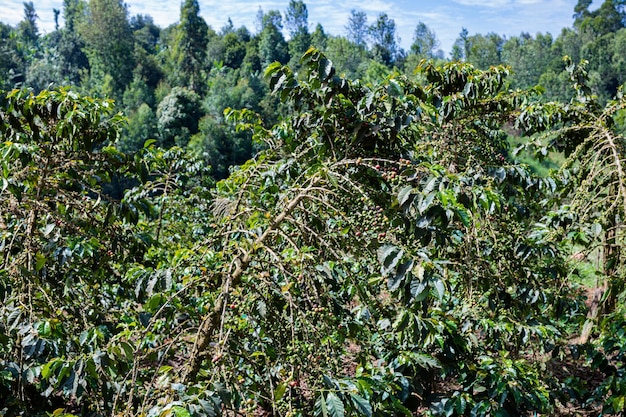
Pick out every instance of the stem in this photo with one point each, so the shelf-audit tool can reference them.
(163, 204)
(210, 324)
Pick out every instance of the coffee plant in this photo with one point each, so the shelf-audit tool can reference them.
(384, 254)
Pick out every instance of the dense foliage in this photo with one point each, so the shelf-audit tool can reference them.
(313, 240)
(383, 254)
(102, 51)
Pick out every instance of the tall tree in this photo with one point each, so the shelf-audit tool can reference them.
(145, 32)
(27, 28)
(272, 44)
(609, 17)
(297, 23)
(57, 13)
(243, 34)
(425, 42)
(619, 60)
(228, 50)
(73, 61)
(109, 44)
(190, 43)
(73, 13)
(178, 114)
(61, 59)
(528, 57)
(349, 58)
(604, 80)
(12, 65)
(460, 49)
(297, 18)
(485, 50)
(581, 10)
(229, 27)
(142, 125)
(319, 38)
(384, 39)
(568, 43)
(357, 29)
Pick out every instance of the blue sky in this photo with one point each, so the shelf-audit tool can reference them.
(445, 17)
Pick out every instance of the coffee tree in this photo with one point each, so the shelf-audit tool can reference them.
(68, 244)
(384, 254)
(379, 247)
(60, 238)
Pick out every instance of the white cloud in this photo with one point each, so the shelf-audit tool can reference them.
(13, 12)
(10, 15)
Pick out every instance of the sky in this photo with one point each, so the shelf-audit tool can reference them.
(445, 17)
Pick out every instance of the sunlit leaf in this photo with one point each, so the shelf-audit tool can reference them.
(321, 408)
(361, 405)
(335, 405)
(389, 256)
(180, 411)
(404, 195)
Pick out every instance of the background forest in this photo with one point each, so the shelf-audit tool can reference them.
(197, 222)
(174, 83)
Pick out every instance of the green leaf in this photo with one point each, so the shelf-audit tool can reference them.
(480, 409)
(91, 369)
(362, 405)
(500, 174)
(278, 82)
(370, 99)
(404, 195)
(65, 371)
(30, 375)
(48, 368)
(430, 185)
(396, 279)
(44, 329)
(321, 408)
(154, 303)
(40, 261)
(463, 216)
(261, 308)
(14, 319)
(279, 392)
(326, 69)
(309, 54)
(127, 349)
(335, 405)
(417, 289)
(402, 321)
(333, 179)
(440, 287)
(389, 256)
(426, 361)
(461, 405)
(425, 202)
(596, 229)
(180, 411)
(618, 403)
(272, 68)
(479, 389)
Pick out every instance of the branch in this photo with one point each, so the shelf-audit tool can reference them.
(210, 324)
